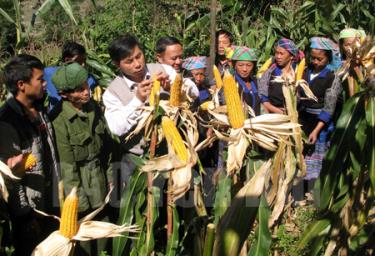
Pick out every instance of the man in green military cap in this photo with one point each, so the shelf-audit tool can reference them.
(83, 144)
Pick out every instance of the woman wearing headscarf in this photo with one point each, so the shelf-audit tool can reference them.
(315, 122)
(244, 63)
(270, 91)
(343, 90)
(196, 71)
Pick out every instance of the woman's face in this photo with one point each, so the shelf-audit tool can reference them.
(347, 44)
(198, 75)
(244, 68)
(282, 57)
(319, 59)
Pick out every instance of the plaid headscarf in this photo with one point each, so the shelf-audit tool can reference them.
(244, 53)
(194, 62)
(323, 43)
(288, 45)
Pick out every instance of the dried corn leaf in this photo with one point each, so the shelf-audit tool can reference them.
(5, 171)
(283, 191)
(277, 166)
(236, 152)
(90, 230)
(54, 245)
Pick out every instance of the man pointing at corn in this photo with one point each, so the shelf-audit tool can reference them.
(129, 91)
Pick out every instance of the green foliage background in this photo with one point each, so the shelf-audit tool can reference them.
(254, 23)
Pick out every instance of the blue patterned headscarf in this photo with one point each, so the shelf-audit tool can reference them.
(195, 62)
(323, 43)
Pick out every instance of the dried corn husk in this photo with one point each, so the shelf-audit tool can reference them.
(5, 171)
(58, 245)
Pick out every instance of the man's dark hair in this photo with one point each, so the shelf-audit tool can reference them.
(71, 49)
(226, 33)
(123, 46)
(164, 42)
(20, 68)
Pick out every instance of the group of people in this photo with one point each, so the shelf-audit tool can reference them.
(73, 138)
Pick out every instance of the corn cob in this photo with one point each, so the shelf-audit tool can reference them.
(27, 163)
(232, 98)
(204, 106)
(300, 69)
(175, 96)
(97, 94)
(69, 215)
(174, 138)
(217, 76)
(155, 91)
(264, 67)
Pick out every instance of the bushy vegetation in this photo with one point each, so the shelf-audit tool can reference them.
(256, 24)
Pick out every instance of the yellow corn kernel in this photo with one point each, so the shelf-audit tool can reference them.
(155, 92)
(30, 161)
(69, 215)
(175, 96)
(174, 138)
(300, 69)
(217, 76)
(204, 106)
(27, 163)
(264, 67)
(236, 114)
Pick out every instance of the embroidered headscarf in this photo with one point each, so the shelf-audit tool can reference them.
(288, 45)
(349, 32)
(195, 62)
(244, 53)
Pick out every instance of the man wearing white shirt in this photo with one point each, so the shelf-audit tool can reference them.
(169, 51)
(128, 91)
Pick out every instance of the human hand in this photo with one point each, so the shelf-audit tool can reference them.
(144, 90)
(164, 81)
(15, 161)
(313, 137)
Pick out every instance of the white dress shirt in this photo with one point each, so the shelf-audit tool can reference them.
(122, 118)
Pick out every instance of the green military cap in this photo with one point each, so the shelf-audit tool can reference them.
(244, 53)
(69, 77)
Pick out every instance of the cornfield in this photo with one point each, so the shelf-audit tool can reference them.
(198, 211)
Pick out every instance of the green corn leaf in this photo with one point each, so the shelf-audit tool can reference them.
(136, 185)
(313, 231)
(43, 9)
(222, 197)
(65, 4)
(155, 214)
(357, 148)
(100, 67)
(7, 17)
(332, 164)
(263, 235)
(172, 244)
(236, 224)
(370, 117)
(317, 246)
(140, 244)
